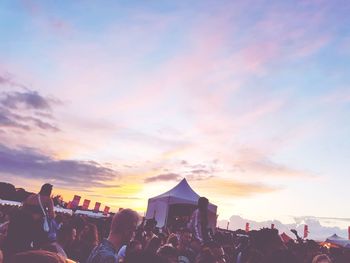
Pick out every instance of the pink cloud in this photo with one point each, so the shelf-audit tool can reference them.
(49, 23)
(252, 161)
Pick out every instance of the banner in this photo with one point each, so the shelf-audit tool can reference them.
(97, 207)
(86, 204)
(246, 227)
(306, 231)
(75, 202)
(106, 210)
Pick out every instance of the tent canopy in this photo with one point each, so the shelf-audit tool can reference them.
(182, 193)
(90, 214)
(337, 240)
(57, 209)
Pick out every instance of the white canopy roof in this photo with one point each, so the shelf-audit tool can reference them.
(56, 208)
(182, 193)
(11, 203)
(337, 240)
(90, 214)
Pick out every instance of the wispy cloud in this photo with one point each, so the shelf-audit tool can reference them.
(26, 110)
(163, 177)
(30, 163)
(118, 197)
(50, 23)
(27, 99)
(255, 162)
(6, 80)
(235, 188)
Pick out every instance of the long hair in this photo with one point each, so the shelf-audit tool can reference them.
(89, 235)
(46, 190)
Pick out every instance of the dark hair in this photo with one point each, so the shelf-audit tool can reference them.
(150, 224)
(64, 235)
(46, 189)
(90, 235)
(203, 203)
(167, 251)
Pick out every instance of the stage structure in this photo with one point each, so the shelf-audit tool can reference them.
(174, 208)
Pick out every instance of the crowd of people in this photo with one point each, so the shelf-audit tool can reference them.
(34, 233)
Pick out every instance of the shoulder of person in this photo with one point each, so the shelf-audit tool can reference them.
(32, 197)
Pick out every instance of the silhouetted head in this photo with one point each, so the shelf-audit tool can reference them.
(124, 224)
(46, 189)
(168, 253)
(38, 256)
(321, 259)
(203, 203)
(153, 245)
(150, 224)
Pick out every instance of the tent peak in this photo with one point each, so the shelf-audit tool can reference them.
(183, 181)
(182, 190)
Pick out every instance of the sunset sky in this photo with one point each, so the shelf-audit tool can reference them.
(117, 101)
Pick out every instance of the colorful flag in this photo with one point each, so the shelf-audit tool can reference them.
(106, 210)
(306, 231)
(97, 207)
(86, 204)
(75, 202)
(246, 227)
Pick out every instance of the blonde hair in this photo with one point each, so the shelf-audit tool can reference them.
(124, 220)
(320, 258)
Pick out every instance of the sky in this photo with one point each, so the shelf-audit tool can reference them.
(117, 101)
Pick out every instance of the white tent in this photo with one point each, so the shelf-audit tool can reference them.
(56, 208)
(158, 207)
(11, 203)
(337, 240)
(90, 214)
